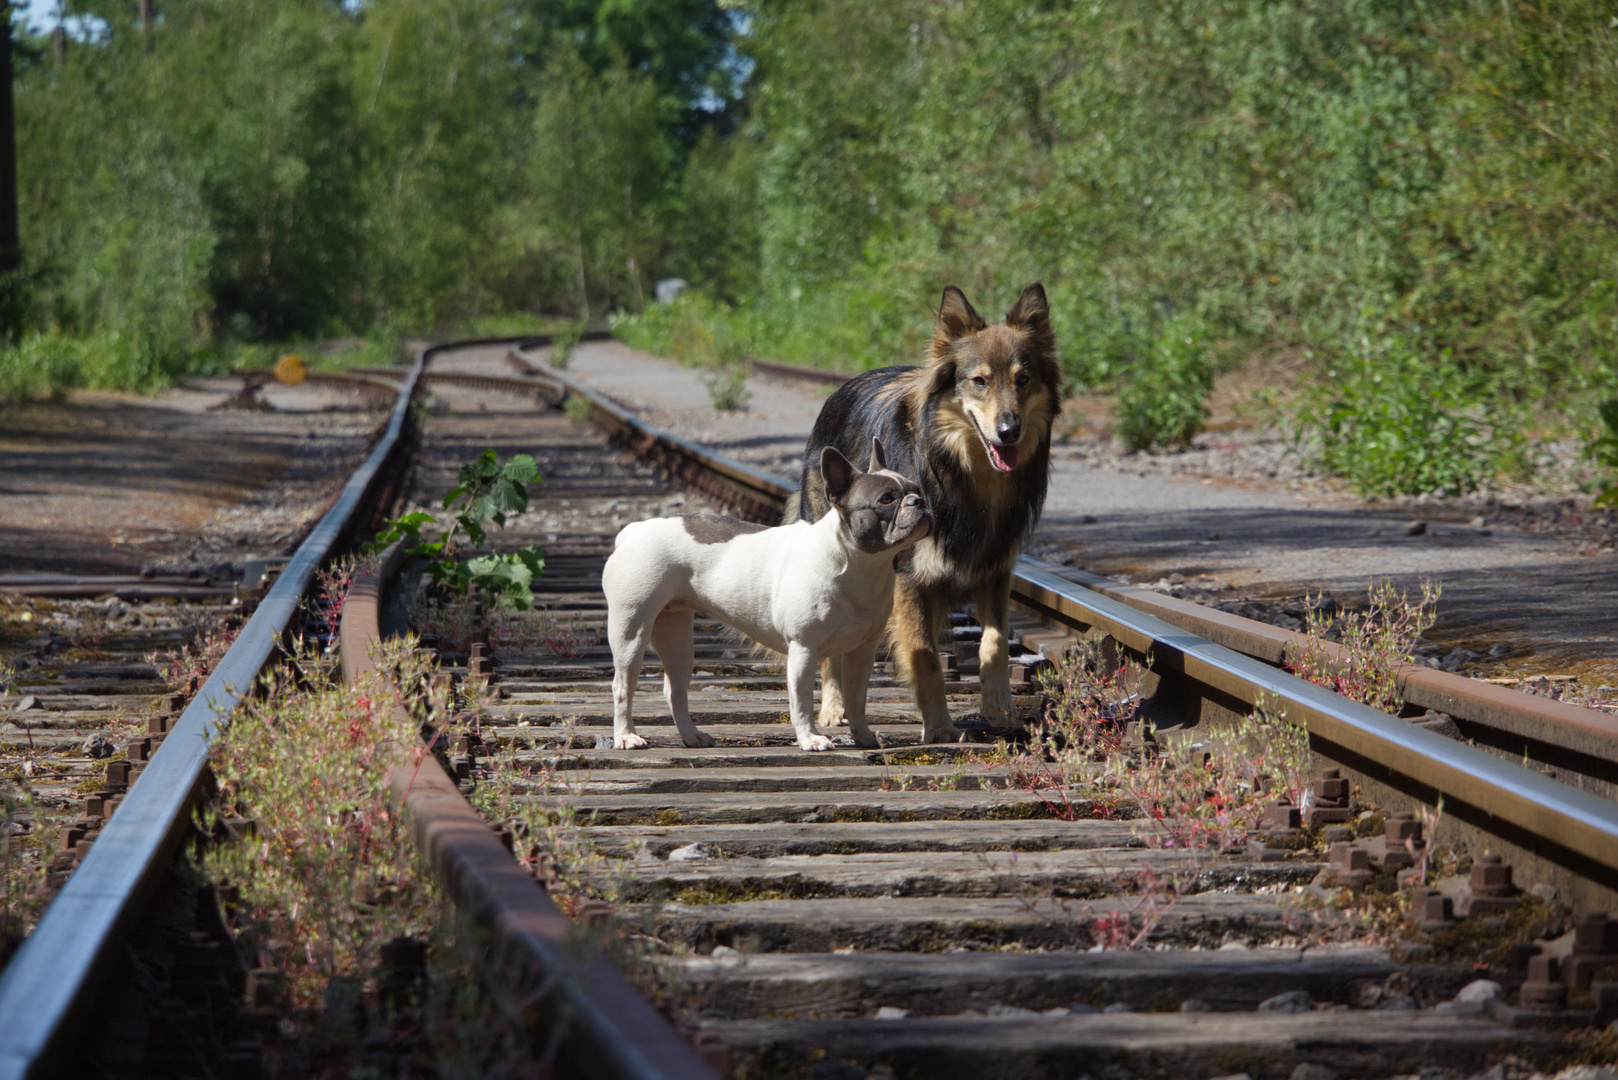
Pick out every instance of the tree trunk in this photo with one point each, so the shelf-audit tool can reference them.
(629, 242)
(10, 240)
(578, 229)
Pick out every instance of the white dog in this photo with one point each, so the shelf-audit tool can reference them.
(806, 590)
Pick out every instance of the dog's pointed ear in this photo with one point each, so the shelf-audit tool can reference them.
(956, 319)
(879, 459)
(1031, 311)
(837, 471)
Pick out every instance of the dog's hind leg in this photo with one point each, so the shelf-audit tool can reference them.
(672, 638)
(832, 707)
(801, 697)
(914, 632)
(994, 652)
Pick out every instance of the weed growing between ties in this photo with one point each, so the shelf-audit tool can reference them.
(23, 895)
(1203, 793)
(1195, 795)
(1373, 643)
(185, 669)
(578, 408)
(326, 872)
(486, 492)
(328, 891)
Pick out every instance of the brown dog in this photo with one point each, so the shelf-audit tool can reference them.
(973, 426)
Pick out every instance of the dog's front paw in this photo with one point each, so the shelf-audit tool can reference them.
(629, 742)
(940, 735)
(832, 719)
(867, 740)
(815, 742)
(701, 739)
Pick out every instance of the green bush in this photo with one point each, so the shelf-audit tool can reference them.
(1397, 419)
(1163, 397)
(1605, 451)
(51, 364)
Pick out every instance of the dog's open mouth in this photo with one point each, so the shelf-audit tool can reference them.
(1003, 458)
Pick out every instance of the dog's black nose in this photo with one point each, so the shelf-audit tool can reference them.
(1008, 429)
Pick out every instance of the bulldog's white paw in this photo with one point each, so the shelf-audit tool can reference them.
(941, 735)
(867, 740)
(832, 720)
(703, 739)
(816, 742)
(629, 742)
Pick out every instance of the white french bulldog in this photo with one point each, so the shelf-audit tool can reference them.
(806, 590)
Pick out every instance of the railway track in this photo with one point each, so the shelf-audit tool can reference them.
(931, 910)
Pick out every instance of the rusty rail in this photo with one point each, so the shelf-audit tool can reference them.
(606, 1028)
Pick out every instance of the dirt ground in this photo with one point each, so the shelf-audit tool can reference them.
(117, 483)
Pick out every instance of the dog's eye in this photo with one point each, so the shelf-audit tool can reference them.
(1022, 378)
(979, 380)
(886, 498)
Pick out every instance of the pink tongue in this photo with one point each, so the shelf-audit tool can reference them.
(1003, 458)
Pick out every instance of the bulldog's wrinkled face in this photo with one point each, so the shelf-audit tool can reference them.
(879, 509)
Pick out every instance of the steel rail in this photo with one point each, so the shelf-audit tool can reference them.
(76, 945)
(1578, 822)
(608, 1029)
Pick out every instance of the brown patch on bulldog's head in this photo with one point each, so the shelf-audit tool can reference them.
(716, 529)
(878, 510)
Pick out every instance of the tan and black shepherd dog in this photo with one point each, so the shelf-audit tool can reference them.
(972, 426)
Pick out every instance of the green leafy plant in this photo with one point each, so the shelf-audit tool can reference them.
(563, 342)
(578, 408)
(726, 381)
(487, 491)
(1397, 419)
(1605, 451)
(1163, 398)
